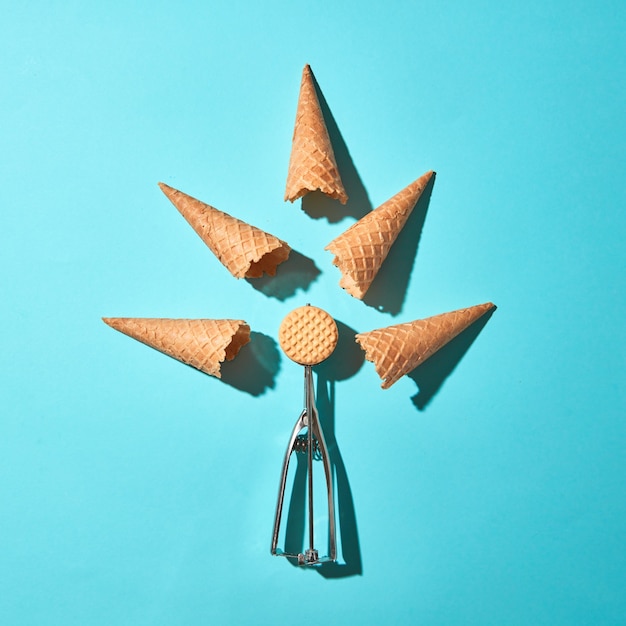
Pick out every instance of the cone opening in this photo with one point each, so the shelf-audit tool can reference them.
(335, 192)
(349, 283)
(350, 279)
(268, 262)
(373, 356)
(239, 339)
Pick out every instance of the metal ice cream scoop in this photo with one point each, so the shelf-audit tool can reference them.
(308, 336)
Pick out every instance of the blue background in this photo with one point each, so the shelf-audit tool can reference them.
(134, 490)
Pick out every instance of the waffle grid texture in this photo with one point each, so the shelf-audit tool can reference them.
(312, 163)
(245, 250)
(308, 335)
(202, 343)
(361, 249)
(399, 349)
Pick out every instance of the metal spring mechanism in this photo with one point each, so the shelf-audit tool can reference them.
(308, 321)
(301, 445)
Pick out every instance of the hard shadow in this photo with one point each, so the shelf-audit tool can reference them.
(255, 368)
(431, 375)
(316, 204)
(297, 272)
(294, 528)
(347, 358)
(346, 514)
(388, 290)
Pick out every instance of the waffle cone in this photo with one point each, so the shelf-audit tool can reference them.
(245, 251)
(312, 163)
(360, 250)
(397, 350)
(203, 344)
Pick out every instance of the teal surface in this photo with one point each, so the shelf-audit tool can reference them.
(137, 491)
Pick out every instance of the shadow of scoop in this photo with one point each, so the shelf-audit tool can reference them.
(347, 358)
(255, 368)
(297, 272)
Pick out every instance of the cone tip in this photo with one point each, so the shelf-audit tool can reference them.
(170, 192)
(426, 177)
(113, 322)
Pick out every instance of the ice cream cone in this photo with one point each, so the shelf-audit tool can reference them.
(312, 163)
(397, 350)
(245, 251)
(203, 344)
(360, 250)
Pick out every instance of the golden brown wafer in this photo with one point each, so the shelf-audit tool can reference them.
(312, 163)
(360, 250)
(203, 344)
(308, 335)
(398, 350)
(245, 250)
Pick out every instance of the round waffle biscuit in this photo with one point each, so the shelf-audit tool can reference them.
(308, 335)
